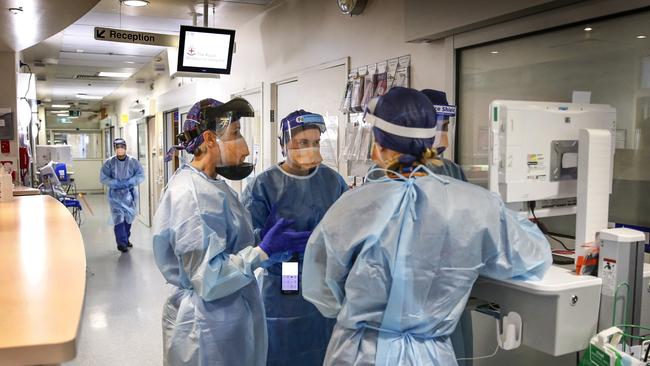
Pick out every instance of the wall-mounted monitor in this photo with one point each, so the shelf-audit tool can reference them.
(205, 50)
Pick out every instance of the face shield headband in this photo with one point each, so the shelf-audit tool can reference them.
(388, 127)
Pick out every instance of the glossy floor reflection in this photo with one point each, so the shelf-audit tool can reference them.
(121, 323)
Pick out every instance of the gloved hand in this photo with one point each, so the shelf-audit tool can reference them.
(121, 184)
(281, 238)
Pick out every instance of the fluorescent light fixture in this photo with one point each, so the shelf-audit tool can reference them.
(588, 29)
(136, 3)
(495, 52)
(129, 62)
(641, 36)
(89, 97)
(109, 74)
(79, 50)
(60, 111)
(60, 105)
(62, 115)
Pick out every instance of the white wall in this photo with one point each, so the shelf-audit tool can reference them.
(294, 36)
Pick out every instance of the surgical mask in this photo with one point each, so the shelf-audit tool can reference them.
(307, 158)
(229, 168)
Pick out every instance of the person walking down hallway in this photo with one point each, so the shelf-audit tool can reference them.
(122, 174)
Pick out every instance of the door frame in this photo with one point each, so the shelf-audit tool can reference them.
(255, 90)
(292, 77)
(145, 217)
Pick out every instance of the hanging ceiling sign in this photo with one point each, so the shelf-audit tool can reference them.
(127, 36)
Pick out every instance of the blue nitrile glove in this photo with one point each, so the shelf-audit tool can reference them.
(282, 238)
(122, 184)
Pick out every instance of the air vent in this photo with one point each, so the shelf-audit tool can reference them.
(91, 77)
(41, 78)
(159, 67)
(39, 63)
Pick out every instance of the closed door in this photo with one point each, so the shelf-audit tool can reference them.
(316, 91)
(144, 189)
(156, 162)
(288, 100)
(251, 129)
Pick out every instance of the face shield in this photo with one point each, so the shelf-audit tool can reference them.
(225, 122)
(301, 138)
(119, 144)
(443, 114)
(303, 148)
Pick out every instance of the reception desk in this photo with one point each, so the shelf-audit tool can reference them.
(42, 281)
(25, 191)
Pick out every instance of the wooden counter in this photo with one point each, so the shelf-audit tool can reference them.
(25, 191)
(42, 281)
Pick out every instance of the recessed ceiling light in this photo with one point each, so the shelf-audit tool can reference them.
(495, 52)
(89, 97)
(60, 105)
(80, 51)
(641, 36)
(108, 74)
(588, 29)
(136, 3)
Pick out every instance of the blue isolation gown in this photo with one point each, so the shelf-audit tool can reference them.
(395, 260)
(202, 245)
(122, 178)
(298, 333)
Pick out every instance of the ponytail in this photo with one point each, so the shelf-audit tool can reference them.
(406, 161)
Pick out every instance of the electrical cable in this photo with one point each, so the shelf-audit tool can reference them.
(481, 357)
(542, 227)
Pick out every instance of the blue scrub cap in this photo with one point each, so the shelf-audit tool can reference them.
(192, 127)
(440, 103)
(436, 97)
(300, 118)
(403, 120)
(119, 141)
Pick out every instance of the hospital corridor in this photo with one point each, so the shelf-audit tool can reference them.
(324, 183)
(120, 324)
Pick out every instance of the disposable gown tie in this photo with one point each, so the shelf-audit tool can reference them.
(390, 332)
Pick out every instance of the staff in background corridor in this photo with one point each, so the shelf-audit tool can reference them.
(122, 174)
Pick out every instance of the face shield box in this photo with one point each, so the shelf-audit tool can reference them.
(533, 147)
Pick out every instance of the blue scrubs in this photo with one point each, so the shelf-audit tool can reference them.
(298, 333)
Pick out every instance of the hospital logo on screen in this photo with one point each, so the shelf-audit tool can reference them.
(191, 51)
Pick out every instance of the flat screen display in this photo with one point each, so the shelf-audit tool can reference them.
(206, 50)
